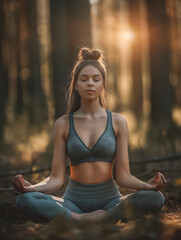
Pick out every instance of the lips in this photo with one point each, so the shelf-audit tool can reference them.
(90, 91)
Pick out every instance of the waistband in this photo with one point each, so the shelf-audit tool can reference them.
(78, 189)
(76, 183)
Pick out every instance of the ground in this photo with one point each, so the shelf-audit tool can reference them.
(165, 226)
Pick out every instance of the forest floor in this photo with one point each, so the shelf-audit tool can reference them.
(166, 226)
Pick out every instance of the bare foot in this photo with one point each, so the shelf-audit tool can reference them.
(96, 216)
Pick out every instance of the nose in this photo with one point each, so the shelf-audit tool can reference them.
(90, 81)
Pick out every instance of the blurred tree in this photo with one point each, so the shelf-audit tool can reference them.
(38, 106)
(173, 11)
(137, 87)
(159, 41)
(115, 49)
(70, 29)
(3, 73)
(107, 19)
(19, 32)
(59, 53)
(163, 130)
(78, 26)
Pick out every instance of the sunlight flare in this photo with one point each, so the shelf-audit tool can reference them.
(127, 35)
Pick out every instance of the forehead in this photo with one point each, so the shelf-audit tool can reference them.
(89, 70)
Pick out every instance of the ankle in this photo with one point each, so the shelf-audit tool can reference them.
(75, 215)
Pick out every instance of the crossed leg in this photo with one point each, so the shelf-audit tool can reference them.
(134, 205)
(43, 207)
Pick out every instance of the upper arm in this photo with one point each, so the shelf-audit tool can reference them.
(59, 151)
(121, 154)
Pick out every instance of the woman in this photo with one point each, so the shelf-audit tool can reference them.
(91, 137)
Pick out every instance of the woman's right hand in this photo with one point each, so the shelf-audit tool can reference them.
(158, 182)
(22, 185)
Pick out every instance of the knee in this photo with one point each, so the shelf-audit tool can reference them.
(24, 199)
(159, 199)
(155, 199)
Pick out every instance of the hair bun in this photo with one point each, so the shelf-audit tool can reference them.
(86, 54)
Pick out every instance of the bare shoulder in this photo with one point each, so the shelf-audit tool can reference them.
(61, 125)
(119, 122)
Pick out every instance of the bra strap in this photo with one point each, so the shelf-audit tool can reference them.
(71, 120)
(110, 121)
(109, 117)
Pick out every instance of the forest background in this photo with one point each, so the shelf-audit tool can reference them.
(39, 42)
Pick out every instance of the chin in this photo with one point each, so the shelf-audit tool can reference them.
(89, 96)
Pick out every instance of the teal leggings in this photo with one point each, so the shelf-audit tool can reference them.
(84, 198)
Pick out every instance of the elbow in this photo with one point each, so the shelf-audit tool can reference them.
(57, 183)
(59, 186)
(119, 182)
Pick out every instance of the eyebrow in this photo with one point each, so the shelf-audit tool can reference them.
(90, 75)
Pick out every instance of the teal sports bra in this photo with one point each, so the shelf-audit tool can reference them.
(103, 150)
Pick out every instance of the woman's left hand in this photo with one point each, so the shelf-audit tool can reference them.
(158, 182)
(21, 185)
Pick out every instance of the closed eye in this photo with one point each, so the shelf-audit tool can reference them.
(96, 80)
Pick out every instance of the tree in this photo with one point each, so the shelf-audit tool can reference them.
(37, 105)
(137, 87)
(159, 41)
(70, 29)
(3, 72)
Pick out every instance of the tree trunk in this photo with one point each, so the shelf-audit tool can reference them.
(137, 86)
(19, 19)
(59, 53)
(161, 89)
(38, 106)
(70, 29)
(3, 73)
(78, 26)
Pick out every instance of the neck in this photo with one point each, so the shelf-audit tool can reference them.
(90, 107)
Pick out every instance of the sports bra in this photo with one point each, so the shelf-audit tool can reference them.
(103, 150)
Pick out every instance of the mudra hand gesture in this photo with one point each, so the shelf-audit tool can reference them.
(22, 185)
(158, 182)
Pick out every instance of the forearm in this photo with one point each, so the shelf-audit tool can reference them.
(49, 184)
(131, 182)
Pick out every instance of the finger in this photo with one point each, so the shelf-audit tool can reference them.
(158, 182)
(14, 179)
(21, 185)
(164, 183)
(160, 174)
(157, 175)
(16, 185)
(25, 183)
(22, 179)
(161, 181)
(164, 179)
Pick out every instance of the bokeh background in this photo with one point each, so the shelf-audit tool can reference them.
(39, 42)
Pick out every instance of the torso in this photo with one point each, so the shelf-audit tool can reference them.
(89, 131)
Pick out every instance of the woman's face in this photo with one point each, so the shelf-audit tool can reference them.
(89, 78)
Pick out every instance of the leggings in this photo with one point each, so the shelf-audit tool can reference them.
(83, 198)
